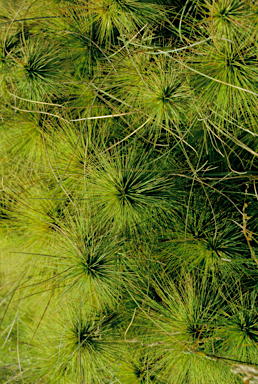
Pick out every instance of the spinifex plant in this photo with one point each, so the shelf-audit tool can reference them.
(82, 345)
(88, 260)
(184, 328)
(226, 18)
(38, 72)
(207, 239)
(128, 187)
(238, 332)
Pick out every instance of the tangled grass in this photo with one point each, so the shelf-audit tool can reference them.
(128, 202)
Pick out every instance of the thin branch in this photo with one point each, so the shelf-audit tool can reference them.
(131, 322)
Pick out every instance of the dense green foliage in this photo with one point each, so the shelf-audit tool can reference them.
(129, 203)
